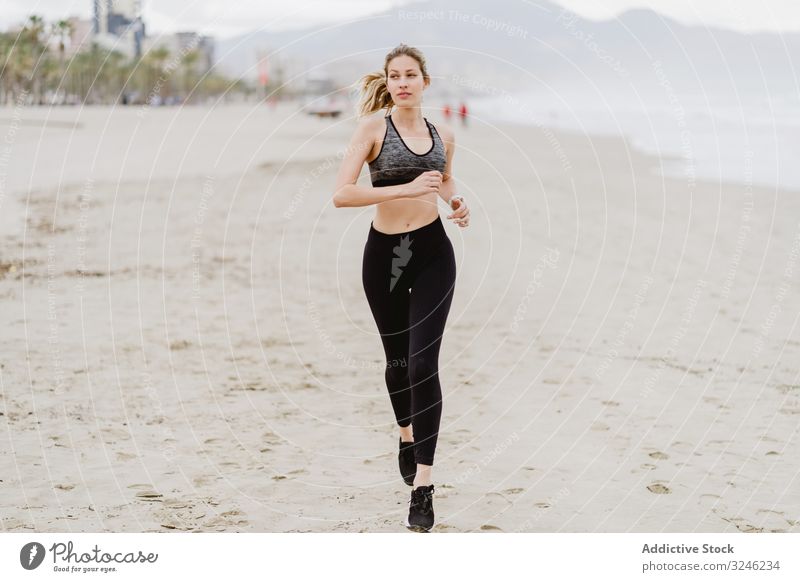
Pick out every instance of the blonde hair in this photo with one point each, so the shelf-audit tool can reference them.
(374, 93)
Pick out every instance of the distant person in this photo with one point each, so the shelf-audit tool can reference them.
(446, 112)
(462, 112)
(408, 268)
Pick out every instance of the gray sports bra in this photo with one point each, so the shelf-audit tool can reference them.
(397, 164)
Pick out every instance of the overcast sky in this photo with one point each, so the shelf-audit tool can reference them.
(229, 17)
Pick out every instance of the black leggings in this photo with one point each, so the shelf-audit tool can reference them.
(411, 323)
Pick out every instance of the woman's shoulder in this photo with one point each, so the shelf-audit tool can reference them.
(373, 121)
(445, 131)
(368, 127)
(372, 126)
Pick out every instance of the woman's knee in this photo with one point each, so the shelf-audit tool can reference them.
(422, 368)
(397, 372)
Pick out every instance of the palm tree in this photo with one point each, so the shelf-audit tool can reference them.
(62, 29)
(86, 75)
(29, 70)
(6, 42)
(33, 48)
(190, 76)
(154, 65)
(116, 70)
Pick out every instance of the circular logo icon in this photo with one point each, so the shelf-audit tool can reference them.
(31, 555)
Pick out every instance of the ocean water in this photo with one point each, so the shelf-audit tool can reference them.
(752, 139)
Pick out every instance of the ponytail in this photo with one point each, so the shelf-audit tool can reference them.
(374, 94)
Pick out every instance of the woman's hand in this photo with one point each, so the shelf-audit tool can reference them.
(426, 183)
(461, 214)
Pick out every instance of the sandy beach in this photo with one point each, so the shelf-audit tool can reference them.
(187, 345)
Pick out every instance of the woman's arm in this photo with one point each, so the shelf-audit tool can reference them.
(351, 195)
(448, 188)
(347, 193)
(447, 191)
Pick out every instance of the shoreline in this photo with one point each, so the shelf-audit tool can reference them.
(671, 157)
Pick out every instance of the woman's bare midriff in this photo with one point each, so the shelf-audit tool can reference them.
(403, 214)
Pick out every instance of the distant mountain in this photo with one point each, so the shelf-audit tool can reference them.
(516, 45)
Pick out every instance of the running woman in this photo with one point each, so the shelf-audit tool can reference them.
(408, 268)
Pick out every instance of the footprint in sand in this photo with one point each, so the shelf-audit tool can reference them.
(769, 511)
(228, 518)
(149, 495)
(146, 492)
(201, 480)
(659, 488)
(683, 445)
(659, 455)
(113, 435)
(174, 503)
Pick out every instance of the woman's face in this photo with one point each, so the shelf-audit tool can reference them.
(404, 81)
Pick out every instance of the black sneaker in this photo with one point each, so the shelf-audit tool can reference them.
(420, 509)
(408, 466)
